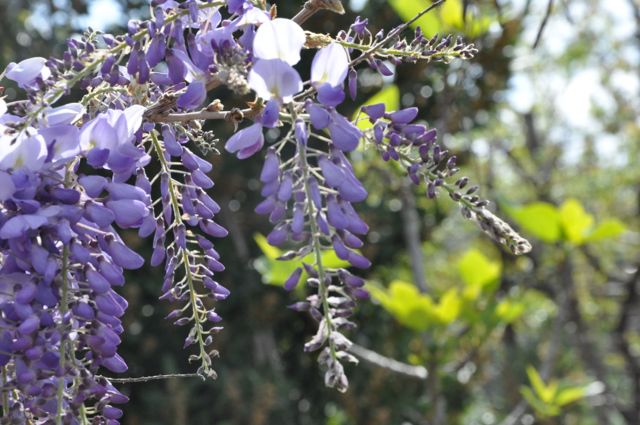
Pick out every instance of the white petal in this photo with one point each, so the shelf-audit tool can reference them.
(3, 107)
(279, 39)
(275, 79)
(330, 65)
(65, 114)
(134, 118)
(27, 150)
(28, 70)
(253, 16)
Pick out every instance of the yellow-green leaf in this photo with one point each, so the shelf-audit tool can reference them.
(539, 406)
(569, 395)
(271, 252)
(448, 308)
(575, 221)
(452, 14)
(430, 23)
(276, 272)
(478, 270)
(389, 95)
(508, 311)
(607, 229)
(406, 304)
(539, 219)
(446, 18)
(546, 393)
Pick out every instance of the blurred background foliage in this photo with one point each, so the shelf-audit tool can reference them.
(545, 119)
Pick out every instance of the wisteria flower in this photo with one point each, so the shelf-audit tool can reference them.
(28, 150)
(246, 142)
(26, 72)
(275, 79)
(279, 39)
(328, 71)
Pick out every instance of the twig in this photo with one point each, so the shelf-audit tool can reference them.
(311, 7)
(543, 24)
(632, 363)
(596, 264)
(377, 359)
(396, 31)
(232, 115)
(515, 415)
(151, 378)
(411, 227)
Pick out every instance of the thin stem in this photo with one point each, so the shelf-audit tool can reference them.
(152, 378)
(5, 395)
(64, 308)
(384, 362)
(323, 289)
(311, 7)
(175, 204)
(202, 115)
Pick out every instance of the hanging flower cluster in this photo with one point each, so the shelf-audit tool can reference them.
(74, 175)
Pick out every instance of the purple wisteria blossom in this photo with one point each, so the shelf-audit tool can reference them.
(132, 154)
(328, 72)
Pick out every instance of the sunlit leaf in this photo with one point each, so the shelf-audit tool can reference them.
(452, 13)
(569, 395)
(539, 406)
(406, 304)
(389, 95)
(546, 393)
(575, 221)
(477, 270)
(448, 308)
(271, 252)
(509, 311)
(607, 229)
(446, 18)
(429, 23)
(539, 219)
(276, 272)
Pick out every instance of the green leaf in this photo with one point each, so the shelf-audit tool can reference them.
(546, 393)
(477, 272)
(569, 395)
(389, 95)
(539, 219)
(575, 221)
(446, 18)
(508, 311)
(539, 406)
(276, 272)
(607, 229)
(406, 304)
(448, 308)
(271, 252)
(429, 23)
(452, 14)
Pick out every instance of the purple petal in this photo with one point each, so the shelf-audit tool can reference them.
(330, 95)
(320, 118)
(246, 142)
(291, 283)
(404, 116)
(115, 364)
(344, 134)
(195, 95)
(271, 167)
(123, 256)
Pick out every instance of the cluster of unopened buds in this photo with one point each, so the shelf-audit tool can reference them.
(73, 175)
